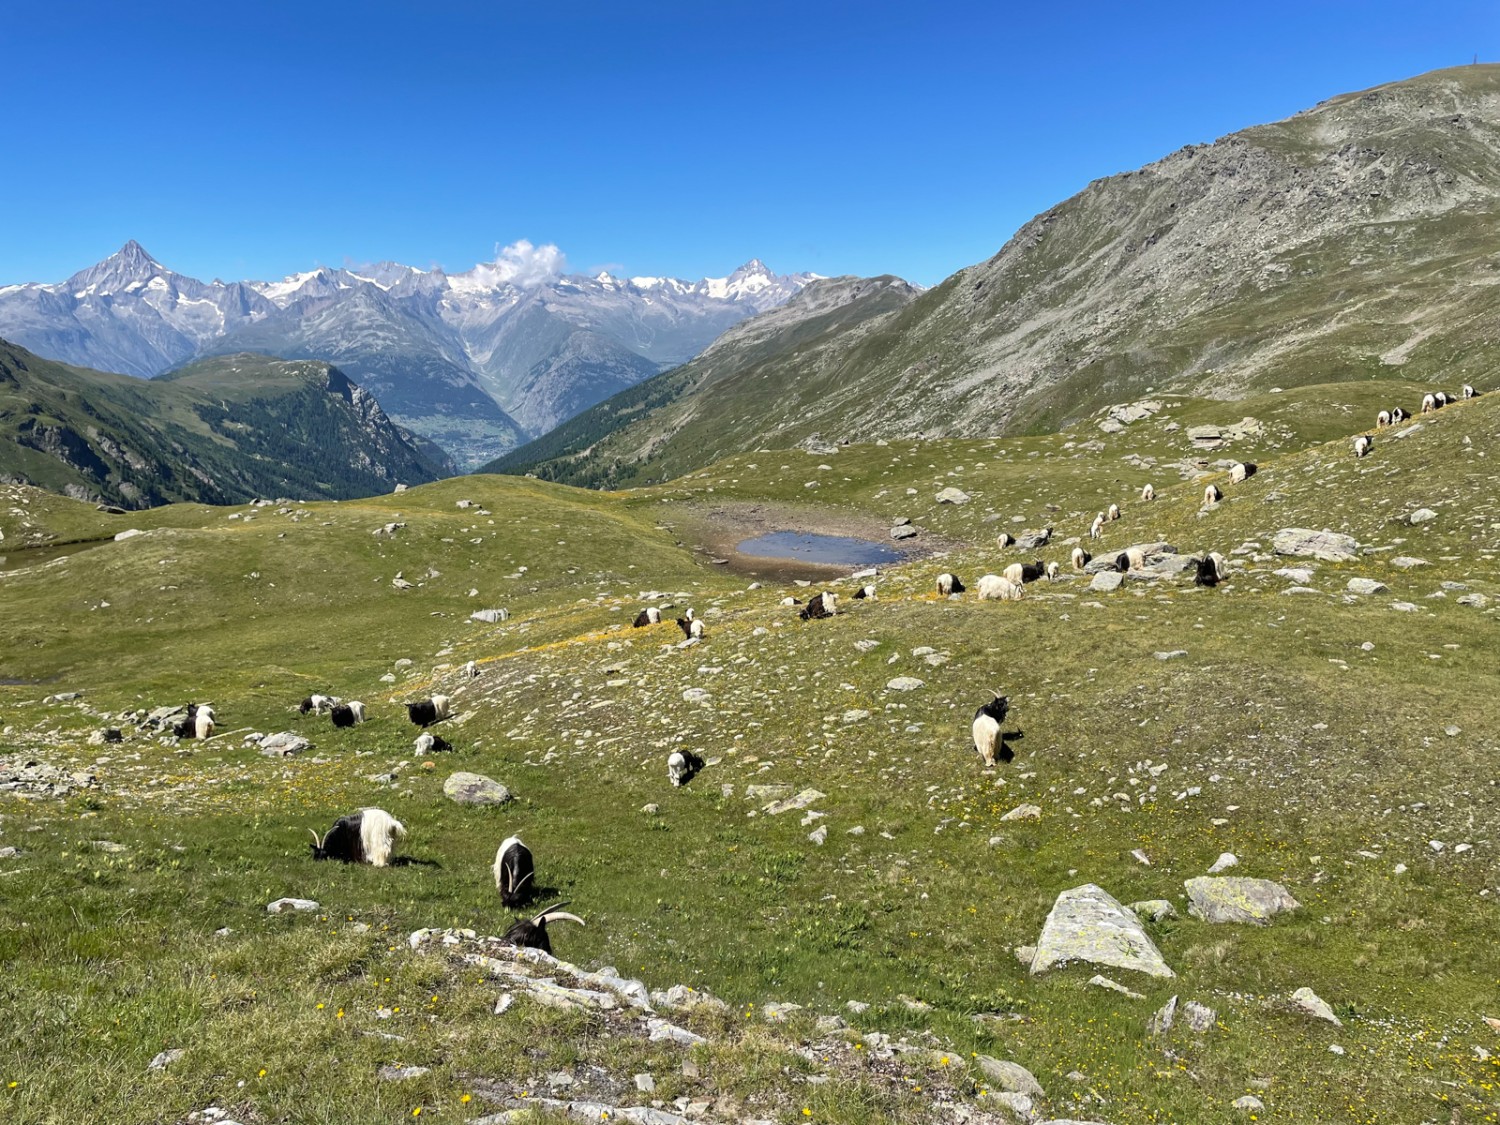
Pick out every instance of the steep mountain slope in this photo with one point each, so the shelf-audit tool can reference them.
(477, 361)
(696, 412)
(1358, 239)
(220, 431)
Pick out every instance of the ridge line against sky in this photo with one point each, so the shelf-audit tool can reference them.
(668, 139)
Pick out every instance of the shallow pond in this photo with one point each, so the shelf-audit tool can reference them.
(828, 550)
(22, 557)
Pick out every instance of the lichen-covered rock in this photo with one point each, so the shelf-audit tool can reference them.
(1300, 542)
(1308, 1002)
(953, 496)
(1237, 899)
(475, 789)
(283, 745)
(1010, 1076)
(1088, 924)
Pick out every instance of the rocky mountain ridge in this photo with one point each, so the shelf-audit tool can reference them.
(1354, 240)
(477, 361)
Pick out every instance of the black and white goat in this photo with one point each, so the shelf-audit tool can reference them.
(316, 704)
(425, 712)
(989, 739)
(1382, 419)
(648, 616)
(429, 743)
(1398, 415)
(692, 627)
(865, 592)
(188, 727)
(347, 714)
(1212, 495)
(1004, 540)
(1211, 569)
(531, 933)
(368, 836)
(1241, 471)
(822, 605)
(1362, 445)
(1148, 493)
(1080, 558)
(1113, 513)
(1022, 573)
(1468, 391)
(683, 766)
(514, 870)
(948, 584)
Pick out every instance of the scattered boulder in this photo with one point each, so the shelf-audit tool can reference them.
(1024, 812)
(1153, 909)
(1087, 924)
(294, 905)
(1033, 538)
(1367, 586)
(1162, 1019)
(1248, 1104)
(1010, 1076)
(903, 531)
(1421, 515)
(953, 496)
(166, 1059)
(791, 804)
(1236, 899)
(1308, 1002)
(905, 683)
(1106, 581)
(283, 745)
(1199, 1017)
(1300, 542)
(475, 789)
(1225, 861)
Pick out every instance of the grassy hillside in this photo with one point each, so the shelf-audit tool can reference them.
(1326, 739)
(217, 431)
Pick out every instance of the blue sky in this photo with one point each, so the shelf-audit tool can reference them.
(256, 140)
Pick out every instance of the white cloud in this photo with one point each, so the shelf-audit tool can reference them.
(523, 265)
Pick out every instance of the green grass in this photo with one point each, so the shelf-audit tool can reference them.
(1304, 748)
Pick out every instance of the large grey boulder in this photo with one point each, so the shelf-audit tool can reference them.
(1106, 581)
(1033, 538)
(475, 789)
(1088, 924)
(953, 496)
(1237, 899)
(1010, 1076)
(283, 745)
(1367, 586)
(1327, 545)
(904, 531)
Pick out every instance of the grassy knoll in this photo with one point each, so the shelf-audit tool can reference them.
(1304, 732)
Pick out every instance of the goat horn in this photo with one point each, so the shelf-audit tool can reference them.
(555, 906)
(561, 916)
(316, 842)
(522, 880)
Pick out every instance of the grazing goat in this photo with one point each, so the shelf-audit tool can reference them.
(989, 739)
(428, 743)
(347, 714)
(1241, 471)
(1468, 392)
(1004, 539)
(1382, 419)
(1122, 562)
(1212, 495)
(1113, 513)
(1022, 573)
(1148, 493)
(425, 712)
(1135, 558)
(514, 870)
(1442, 399)
(865, 592)
(368, 836)
(1399, 415)
(682, 766)
(1362, 445)
(1429, 403)
(691, 627)
(1080, 558)
(1211, 569)
(992, 587)
(948, 584)
(1054, 572)
(203, 721)
(821, 605)
(188, 727)
(1096, 529)
(648, 616)
(316, 704)
(531, 933)
(789, 600)
(471, 670)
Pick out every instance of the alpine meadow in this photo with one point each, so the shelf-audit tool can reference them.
(338, 787)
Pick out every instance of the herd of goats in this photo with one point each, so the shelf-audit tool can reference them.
(369, 835)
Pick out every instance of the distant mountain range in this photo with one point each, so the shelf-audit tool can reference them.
(1359, 239)
(220, 431)
(477, 361)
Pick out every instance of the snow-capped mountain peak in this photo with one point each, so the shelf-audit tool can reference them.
(127, 269)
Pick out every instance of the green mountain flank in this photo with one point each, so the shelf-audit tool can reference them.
(1354, 241)
(218, 431)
